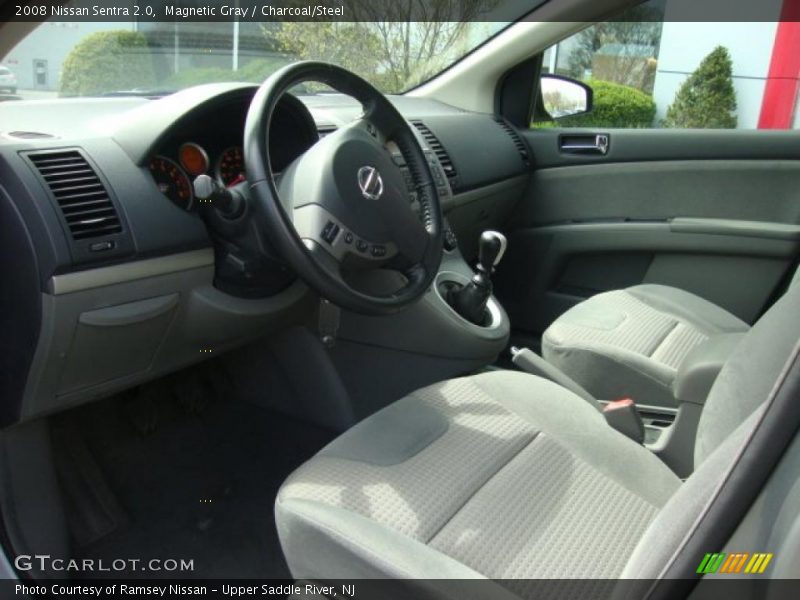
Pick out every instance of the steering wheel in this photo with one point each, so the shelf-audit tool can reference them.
(345, 205)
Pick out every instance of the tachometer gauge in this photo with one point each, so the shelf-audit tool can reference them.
(230, 166)
(172, 181)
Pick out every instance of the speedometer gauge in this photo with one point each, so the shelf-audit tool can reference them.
(230, 166)
(172, 181)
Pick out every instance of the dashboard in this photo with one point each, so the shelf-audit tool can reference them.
(116, 278)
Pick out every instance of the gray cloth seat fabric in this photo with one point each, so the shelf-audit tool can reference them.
(511, 477)
(431, 470)
(630, 343)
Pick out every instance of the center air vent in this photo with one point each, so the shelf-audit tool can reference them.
(436, 146)
(520, 145)
(81, 196)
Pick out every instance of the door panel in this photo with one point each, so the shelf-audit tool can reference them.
(637, 145)
(715, 213)
(757, 190)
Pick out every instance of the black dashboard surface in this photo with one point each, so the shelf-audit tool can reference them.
(119, 137)
(77, 191)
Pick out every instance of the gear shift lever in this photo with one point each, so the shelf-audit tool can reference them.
(470, 300)
(491, 248)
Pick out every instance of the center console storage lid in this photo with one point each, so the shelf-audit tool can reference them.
(700, 368)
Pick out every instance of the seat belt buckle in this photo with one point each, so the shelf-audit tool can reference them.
(622, 415)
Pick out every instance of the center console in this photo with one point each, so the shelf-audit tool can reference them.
(667, 432)
(439, 337)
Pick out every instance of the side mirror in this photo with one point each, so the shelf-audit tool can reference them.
(564, 97)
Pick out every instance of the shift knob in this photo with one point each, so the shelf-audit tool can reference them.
(470, 300)
(491, 248)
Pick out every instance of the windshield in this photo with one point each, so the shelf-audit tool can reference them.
(67, 59)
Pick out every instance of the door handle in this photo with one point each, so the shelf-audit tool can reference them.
(584, 143)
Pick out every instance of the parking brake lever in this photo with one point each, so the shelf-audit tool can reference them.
(530, 362)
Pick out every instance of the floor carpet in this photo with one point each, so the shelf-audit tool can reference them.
(198, 486)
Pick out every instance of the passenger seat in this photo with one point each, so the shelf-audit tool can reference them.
(630, 343)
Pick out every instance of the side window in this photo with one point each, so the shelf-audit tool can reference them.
(647, 71)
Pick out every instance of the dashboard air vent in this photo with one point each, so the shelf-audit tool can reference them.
(436, 146)
(81, 196)
(522, 148)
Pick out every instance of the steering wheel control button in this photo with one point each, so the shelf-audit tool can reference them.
(361, 246)
(450, 240)
(378, 251)
(437, 174)
(330, 231)
(409, 180)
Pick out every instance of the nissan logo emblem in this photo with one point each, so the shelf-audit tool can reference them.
(370, 183)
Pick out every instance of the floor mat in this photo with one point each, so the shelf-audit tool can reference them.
(199, 486)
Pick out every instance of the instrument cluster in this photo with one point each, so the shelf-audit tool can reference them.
(173, 176)
(209, 142)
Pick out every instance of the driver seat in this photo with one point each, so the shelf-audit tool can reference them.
(508, 476)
